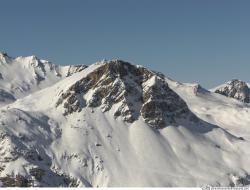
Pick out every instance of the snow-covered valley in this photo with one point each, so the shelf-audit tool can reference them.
(114, 124)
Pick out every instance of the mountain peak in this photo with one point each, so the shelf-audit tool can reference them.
(4, 58)
(4, 54)
(31, 74)
(235, 81)
(32, 58)
(129, 92)
(28, 59)
(236, 89)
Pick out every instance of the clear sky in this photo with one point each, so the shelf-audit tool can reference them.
(203, 41)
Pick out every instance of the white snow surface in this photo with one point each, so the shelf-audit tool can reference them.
(98, 150)
(22, 76)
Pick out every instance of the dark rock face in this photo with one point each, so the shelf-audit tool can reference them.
(236, 89)
(114, 82)
(162, 106)
(136, 90)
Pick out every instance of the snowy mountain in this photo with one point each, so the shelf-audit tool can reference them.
(23, 75)
(117, 124)
(235, 89)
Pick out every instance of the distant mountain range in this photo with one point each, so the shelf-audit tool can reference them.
(116, 124)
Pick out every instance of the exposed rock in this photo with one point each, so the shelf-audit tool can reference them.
(162, 106)
(4, 58)
(134, 90)
(235, 89)
(98, 144)
(70, 181)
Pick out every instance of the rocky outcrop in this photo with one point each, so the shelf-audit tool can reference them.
(162, 106)
(235, 89)
(134, 90)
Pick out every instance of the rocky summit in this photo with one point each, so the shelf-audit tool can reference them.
(130, 92)
(235, 89)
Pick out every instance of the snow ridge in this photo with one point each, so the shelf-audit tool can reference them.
(24, 75)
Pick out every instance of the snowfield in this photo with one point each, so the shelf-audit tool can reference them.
(91, 128)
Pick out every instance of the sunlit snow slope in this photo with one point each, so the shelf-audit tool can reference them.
(118, 124)
(23, 75)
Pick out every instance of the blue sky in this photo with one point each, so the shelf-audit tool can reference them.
(207, 42)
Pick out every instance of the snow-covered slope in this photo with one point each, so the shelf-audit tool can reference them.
(236, 89)
(23, 75)
(117, 124)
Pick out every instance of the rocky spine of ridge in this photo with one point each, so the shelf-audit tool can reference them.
(130, 92)
(235, 89)
(40, 67)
